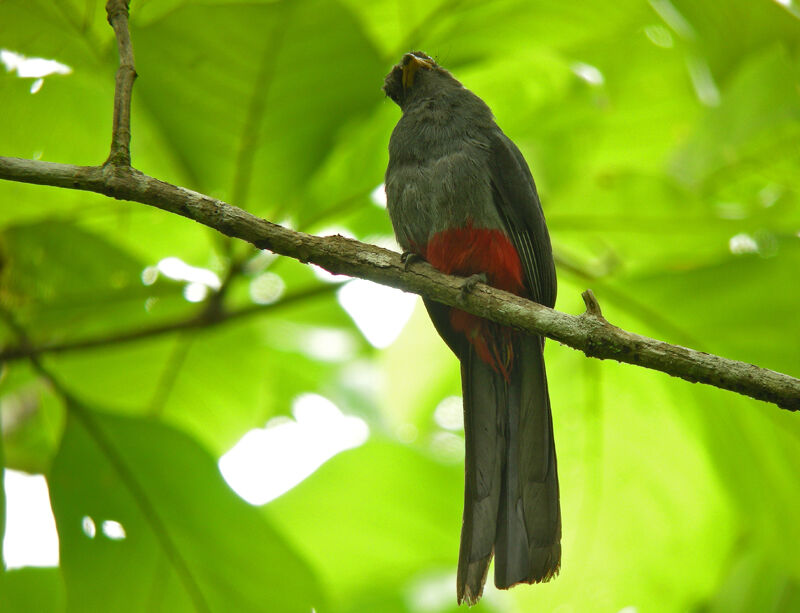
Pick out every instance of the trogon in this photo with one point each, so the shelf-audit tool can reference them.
(461, 196)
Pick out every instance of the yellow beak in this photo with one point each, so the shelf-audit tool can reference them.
(411, 64)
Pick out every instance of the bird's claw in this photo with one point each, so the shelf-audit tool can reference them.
(409, 257)
(469, 285)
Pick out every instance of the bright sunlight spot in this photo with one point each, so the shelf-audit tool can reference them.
(588, 73)
(742, 243)
(327, 344)
(195, 292)
(432, 592)
(380, 312)
(791, 6)
(150, 275)
(177, 269)
(266, 288)
(32, 67)
(31, 538)
(199, 280)
(268, 462)
(449, 413)
(378, 196)
(114, 530)
(88, 526)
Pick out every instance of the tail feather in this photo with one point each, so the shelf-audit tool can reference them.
(511, 499)
(484, 393)
(528, 548)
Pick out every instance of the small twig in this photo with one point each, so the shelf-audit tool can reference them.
(251, 130)
(215, 305)
(592, 306)
(120, 154)
(170, 373)
(203, 320)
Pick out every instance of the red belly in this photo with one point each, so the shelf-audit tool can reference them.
(468, 251)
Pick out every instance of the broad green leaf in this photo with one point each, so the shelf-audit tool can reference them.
(73, 31)
(754, 582)
(32, 589)
(188, 543)
(755, 126)
(727, 35)
(33, 420)
(372, 518)
(251, 96)
(761, 327)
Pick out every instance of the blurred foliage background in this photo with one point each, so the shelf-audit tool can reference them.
(664, 137)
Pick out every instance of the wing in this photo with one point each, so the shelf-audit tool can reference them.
(516, 198)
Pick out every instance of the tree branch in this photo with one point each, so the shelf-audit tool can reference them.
(205, 319)
(120, 155)
(588, 332)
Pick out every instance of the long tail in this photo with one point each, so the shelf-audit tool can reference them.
(528, 541)
(511, 505)
(484, 392)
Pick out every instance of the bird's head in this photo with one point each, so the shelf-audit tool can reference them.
(416, 77)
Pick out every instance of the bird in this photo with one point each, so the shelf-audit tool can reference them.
(461, 197)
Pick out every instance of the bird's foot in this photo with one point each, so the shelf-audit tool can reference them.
(409, 257)
(469, 285)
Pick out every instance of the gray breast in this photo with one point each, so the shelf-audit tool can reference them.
(443, 185)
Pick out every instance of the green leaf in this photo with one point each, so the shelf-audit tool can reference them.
(755, 583)
(32, 589)
(252, 110)
(756, 330)
(33, 420)
(189, 543)
(372, 518)
(73, 31)
(755, 125)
